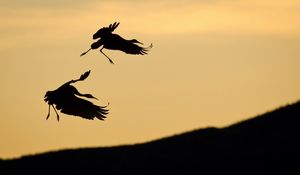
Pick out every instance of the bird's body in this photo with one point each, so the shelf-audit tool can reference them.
(66, 99)
(116, 42)
(109, 40)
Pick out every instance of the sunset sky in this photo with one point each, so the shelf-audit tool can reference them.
(213, 63)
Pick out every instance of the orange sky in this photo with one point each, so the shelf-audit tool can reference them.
(213, 63)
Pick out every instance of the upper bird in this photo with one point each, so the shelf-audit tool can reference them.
(108, 40)
(66, 99)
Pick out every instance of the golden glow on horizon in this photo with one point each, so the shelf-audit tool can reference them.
(212, 64)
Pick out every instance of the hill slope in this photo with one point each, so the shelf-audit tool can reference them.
(265, 144)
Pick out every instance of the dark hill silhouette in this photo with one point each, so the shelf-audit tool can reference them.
(266, 144)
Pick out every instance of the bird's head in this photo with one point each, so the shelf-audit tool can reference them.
(47, 97)
(97, 44)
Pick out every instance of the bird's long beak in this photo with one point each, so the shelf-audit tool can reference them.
(85, 52)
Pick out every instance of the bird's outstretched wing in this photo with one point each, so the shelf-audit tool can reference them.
(116, 42)
(131, 48)
(83, 108)
(105, 30)
(113, 26)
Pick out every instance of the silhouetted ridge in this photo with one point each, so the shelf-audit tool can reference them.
(266, 144)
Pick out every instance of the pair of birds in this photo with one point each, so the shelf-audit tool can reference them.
(67, 99)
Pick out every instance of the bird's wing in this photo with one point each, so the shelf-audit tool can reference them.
(113, 26)
(83, 108)
(116, 42)
(106, 30)
(132, 48)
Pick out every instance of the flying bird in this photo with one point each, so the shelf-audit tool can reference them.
(67, 99)
(109, 40)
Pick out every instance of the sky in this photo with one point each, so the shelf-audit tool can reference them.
(213, 63)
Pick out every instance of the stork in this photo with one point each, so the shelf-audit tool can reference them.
(109, 40)
(67, 99)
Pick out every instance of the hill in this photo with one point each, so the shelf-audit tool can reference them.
(266, 144)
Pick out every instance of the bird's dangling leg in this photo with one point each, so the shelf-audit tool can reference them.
(56, 113)
(106, 56)
(48, 113)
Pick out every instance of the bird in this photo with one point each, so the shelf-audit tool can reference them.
(109, 40)
(67, 99)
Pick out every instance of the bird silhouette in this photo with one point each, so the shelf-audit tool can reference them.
(111, 41)
(66, 99)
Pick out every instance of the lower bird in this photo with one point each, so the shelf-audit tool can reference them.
(111, 41)
(66, 99)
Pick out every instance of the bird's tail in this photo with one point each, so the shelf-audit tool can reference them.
(85, 52)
